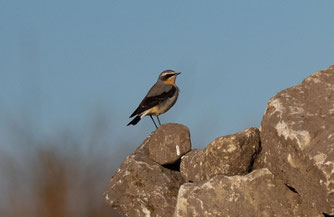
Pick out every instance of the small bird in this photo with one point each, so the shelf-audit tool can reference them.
(159, 99)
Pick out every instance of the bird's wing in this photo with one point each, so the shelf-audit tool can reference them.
(157, 94)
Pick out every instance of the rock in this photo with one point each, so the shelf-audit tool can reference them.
(256, 194)
(142, 187)
(297, 134)
(230, 155)
(297, 161)
(169, 143)
(190, 165)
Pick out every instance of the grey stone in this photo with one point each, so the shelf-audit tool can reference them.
(169, 143)
(190, 165)
(257, 194)
(231, 154)
(142, 187)
(297, 134)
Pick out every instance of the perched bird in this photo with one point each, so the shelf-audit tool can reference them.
(159, 99)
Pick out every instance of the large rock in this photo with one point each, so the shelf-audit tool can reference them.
(142, 187)
(168, 143)
(230, 155)
(190, 165)
(297, 133)
(256, 194)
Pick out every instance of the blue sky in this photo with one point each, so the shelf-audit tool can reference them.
(62, 63)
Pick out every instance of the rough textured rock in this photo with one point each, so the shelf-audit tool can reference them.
(297, 157)
(297, 133)
(256, 194)
(142, 187)
(168, 143)
(190, 165)
(230, 155)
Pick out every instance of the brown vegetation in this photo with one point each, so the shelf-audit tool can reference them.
(59, 176)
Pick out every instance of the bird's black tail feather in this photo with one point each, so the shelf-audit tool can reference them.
(135, 121)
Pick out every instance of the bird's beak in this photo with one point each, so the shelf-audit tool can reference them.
(177, 73)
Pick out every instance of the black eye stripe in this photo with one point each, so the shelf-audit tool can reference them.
(168, 76)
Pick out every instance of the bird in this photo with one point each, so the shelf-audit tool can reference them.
(159, 99)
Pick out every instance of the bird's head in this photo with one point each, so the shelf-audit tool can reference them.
(168, 76)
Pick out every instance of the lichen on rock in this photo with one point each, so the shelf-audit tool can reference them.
(297, 138)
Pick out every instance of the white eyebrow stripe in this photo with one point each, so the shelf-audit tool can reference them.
(168, 73)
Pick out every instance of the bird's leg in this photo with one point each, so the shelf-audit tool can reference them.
(154, 122)
(158, 119)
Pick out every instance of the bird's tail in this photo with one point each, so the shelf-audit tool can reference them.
(135, 120)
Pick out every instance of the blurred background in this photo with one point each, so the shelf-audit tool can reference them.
(71, 72)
